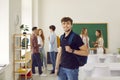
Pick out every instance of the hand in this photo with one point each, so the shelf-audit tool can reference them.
(56, 71)
(68, 49)
(95, 45)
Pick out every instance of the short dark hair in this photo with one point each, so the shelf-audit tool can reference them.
(52, 27)
(66, 19)
(34, 28)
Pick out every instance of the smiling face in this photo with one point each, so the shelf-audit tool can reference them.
(67, 26)
(66, 23)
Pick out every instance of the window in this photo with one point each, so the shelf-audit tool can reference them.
(4, 32)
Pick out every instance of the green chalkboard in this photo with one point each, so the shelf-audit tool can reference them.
(92, 27)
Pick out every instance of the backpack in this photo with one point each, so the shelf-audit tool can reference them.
(58, 42)
(82, 60)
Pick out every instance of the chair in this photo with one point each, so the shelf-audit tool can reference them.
(92, 59)
(101, 57)
(111, 58)
(101, 71)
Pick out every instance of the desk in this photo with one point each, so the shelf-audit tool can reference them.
(103, 78)
(86, 71)
(101, 58)
(112, 66)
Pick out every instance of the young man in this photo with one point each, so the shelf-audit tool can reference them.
(35, 51)
(52, 47)
(66, 63)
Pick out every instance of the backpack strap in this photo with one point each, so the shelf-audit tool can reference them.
(71, 38)
(61, 38)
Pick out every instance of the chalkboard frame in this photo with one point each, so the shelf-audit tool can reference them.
(99, 27)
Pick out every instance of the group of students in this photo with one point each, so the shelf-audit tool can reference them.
(99, 43)
(65, 65)
(38, 51)
(37, 48)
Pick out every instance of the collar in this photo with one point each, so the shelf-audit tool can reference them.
(68, 34)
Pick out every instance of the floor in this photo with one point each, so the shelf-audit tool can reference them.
(48, 75)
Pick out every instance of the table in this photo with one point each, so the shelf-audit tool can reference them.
(103, 78)
(86, 71)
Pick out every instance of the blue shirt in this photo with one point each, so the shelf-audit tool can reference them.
(53, 42)
(68, 60)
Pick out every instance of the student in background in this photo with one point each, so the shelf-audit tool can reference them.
(99, 43)
(84, 36)
(52, 47)
(35, 51)
(99, 40)
(41, 41)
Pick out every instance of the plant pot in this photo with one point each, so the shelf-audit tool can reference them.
(24, 33)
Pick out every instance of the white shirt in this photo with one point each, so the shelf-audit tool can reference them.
(85, 40)
(40, 41)
(53, 42)
(100, 42)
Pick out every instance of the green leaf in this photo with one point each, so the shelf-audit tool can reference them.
(22, 26)
(26, 30)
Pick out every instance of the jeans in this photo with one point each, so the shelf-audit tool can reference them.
(67, 74)
(43, 60)
(53, 59)
(36, 62)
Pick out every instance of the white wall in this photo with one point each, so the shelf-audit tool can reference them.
(13, 8)
(35, 12)
(82, 11)
(9, 10)
(26, 16)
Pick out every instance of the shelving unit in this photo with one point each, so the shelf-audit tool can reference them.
(21, 57)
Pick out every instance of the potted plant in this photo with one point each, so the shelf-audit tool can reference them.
(24, 28)
(25, 40)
